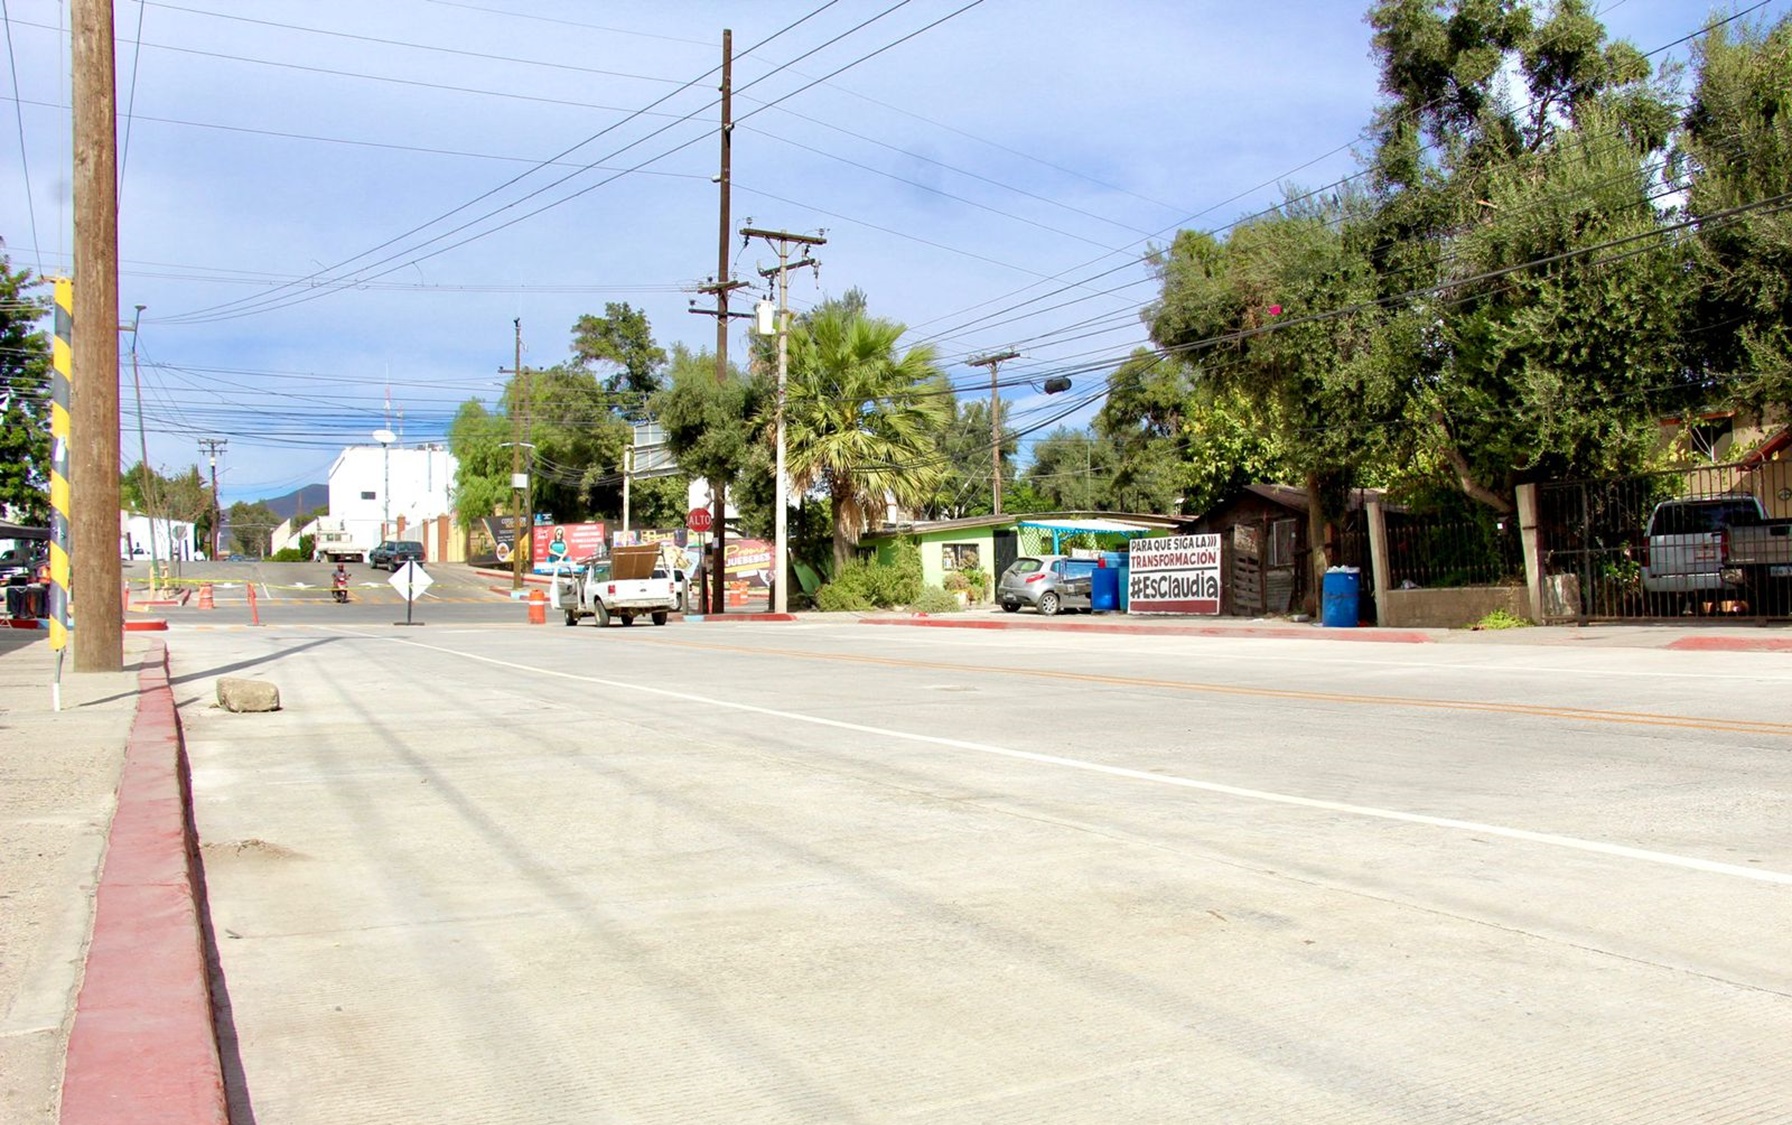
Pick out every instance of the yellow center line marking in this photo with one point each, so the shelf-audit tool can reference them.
(1580, 714)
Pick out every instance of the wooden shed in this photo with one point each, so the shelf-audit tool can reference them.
(1263, 536)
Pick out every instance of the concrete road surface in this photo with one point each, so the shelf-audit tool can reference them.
(830, 873)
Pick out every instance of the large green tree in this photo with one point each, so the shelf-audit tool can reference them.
(622, 340)
(967, 463)
(1072, 470)
(1274, 314)
(862, 419)
(185, 497)
(1527, 304)
(24, 397)
(713, 428)
(251, 523)
(1739, 137)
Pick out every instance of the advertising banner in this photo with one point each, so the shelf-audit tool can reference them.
(634, 537)
(557, 543)
(1175, 574)
(490, 541)
(749, 570)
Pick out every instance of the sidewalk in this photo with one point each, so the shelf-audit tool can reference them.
(1710, 635)
(58, 777)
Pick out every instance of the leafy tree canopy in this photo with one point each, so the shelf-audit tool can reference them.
(623, 340)
(24, 397)
(862, 421)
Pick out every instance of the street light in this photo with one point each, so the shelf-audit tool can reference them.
(386, 438)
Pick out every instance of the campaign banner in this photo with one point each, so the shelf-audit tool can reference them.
(556, 544)
(1175, 574)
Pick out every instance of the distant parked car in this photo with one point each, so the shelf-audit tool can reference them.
(1048, 583)
(394, 553)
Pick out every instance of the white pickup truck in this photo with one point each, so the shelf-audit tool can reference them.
(633, 582)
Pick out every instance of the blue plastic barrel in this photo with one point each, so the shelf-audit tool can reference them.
(1343, 589)
(1104, 589)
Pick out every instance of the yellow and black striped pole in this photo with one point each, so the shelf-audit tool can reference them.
(61, 528)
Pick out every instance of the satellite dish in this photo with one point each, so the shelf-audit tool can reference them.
(384, 437)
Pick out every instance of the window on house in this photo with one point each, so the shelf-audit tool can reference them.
(1281, 542)
(959, 556)
(368, 496)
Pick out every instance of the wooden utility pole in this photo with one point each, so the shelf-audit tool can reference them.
(516, 463)
(783, 242)
(93, 464)
(721, 286)
(212, 447)
(149, 506)
(992, 361)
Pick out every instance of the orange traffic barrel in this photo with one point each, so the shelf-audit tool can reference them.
(538, 608)
(205, 597)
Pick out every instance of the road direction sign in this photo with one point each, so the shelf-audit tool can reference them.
(698, 519)
(410, 580)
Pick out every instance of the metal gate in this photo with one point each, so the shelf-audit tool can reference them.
(1624, 549)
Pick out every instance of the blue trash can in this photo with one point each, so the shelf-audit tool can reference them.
(1104, 589)
(1343, 589)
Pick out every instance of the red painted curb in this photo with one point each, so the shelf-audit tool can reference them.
(712, 618)
(1384, 636)
(1731, 644)
(148, 625)
(142, 1048)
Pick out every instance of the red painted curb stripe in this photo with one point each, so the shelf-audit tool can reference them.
(710, 618)
(142, 1048)
(1732, 644)
(1385, 636)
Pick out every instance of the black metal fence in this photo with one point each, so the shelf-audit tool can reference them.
(1433, 553)
(1600, 561)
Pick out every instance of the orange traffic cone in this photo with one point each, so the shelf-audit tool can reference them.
(205, 597)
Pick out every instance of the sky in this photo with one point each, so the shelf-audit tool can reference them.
(331, 204)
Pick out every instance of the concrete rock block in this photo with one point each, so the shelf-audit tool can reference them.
(247, 695)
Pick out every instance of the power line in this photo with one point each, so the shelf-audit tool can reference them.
(12, 63)
(249, 306)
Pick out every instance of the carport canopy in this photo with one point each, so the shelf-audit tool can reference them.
(1060, 528)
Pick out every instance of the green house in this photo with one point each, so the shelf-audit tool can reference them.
(989, 543)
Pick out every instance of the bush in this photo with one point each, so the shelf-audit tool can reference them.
(837, 597)
(933, 599)
(862, 585)
(289, 554)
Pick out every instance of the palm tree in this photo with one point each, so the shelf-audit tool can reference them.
(859, 421)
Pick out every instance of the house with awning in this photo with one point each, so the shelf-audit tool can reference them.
(986, 545)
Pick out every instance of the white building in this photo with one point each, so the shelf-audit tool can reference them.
(376, 492)
(289, 534)
(172, 539)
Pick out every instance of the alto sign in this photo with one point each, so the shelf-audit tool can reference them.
(1175, 574)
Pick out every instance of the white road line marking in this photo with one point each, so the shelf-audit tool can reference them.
(1572, 843)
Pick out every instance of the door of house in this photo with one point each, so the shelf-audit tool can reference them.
(1247, 568)
(1007, 550)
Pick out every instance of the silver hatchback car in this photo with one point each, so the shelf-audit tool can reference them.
(1048, 583)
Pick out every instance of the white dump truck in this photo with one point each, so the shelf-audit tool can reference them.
(633, 582)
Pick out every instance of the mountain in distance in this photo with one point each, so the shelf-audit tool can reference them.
(307, 498)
